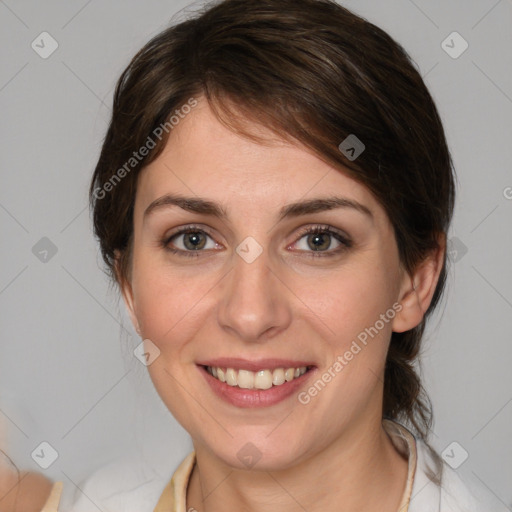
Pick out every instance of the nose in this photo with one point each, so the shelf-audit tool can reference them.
(254, 304)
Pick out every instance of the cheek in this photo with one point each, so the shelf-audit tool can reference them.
(165, 301)
(350, 300)
(355, 308)
(168, 307)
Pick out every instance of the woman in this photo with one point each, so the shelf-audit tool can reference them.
(272, 198)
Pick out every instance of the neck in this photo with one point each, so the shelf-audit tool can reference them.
(361, 470)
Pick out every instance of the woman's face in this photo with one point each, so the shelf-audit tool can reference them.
(249, 288)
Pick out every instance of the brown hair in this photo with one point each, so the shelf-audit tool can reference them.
(314, 73)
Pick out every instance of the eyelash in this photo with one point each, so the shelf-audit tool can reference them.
(345, 242)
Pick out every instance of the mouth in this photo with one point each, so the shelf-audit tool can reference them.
(262, 383)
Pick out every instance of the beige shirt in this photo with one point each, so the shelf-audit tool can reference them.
(431, 486)
(173, 498)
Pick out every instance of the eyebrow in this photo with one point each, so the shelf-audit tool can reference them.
(206, 207)
(190, 204)
(321, 205)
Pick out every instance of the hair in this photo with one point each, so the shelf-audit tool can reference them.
(313, 73)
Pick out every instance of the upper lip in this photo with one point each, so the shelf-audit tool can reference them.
(255, 364)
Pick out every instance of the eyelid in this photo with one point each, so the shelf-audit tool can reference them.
(187, 229)
(324, 228)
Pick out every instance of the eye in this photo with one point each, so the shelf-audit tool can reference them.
(322, 240)
(189, 240)
(315, 240)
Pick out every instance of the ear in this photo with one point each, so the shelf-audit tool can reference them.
(126, 291)
(417, 289)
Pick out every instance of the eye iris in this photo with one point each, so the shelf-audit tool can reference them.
(319, 241)
(194, 241)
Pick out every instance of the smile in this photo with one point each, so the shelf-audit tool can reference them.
(262, 379)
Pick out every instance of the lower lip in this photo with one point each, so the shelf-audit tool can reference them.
(255, 397)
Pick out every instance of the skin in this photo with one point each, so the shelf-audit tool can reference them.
(333, 451)
(28, 494)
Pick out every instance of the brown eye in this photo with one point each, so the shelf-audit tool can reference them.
(322, 241)
(194, 241)
(319, 241)
(190, 240)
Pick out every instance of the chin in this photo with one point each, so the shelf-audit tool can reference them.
(261, 453)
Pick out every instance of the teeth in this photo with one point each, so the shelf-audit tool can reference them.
(278, 377)
(231, 377)
(263, 379)
(245, 379)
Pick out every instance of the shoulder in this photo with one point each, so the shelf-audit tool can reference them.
(438, 487)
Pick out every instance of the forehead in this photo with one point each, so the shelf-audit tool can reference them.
(202, 157)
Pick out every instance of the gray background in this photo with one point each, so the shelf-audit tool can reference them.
(67, 373)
